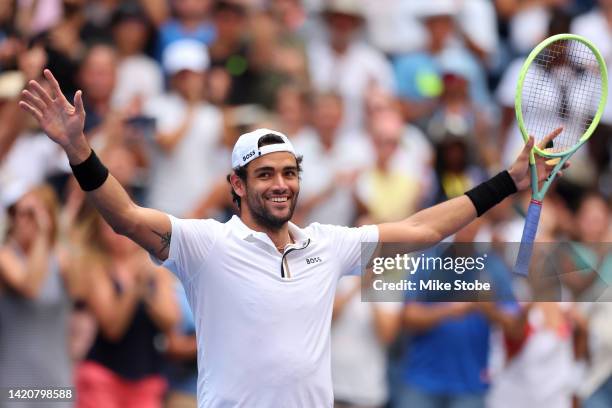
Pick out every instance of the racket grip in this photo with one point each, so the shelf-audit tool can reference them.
(529, 232)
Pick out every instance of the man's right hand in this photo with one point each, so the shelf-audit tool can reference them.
(63, 123)
(59, 119)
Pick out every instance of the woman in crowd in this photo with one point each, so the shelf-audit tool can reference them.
(134, 304)
(34, 303)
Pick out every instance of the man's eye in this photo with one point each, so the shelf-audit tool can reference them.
(265, 174)
(290, 173)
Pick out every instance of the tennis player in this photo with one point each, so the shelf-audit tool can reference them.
(261, 289)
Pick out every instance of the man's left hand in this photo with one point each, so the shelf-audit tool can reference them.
(519, 171)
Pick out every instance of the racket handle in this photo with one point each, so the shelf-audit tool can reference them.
(529, 232)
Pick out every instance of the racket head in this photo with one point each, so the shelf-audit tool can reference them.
(563, 61)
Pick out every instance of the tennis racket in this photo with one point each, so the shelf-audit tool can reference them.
(562, 84)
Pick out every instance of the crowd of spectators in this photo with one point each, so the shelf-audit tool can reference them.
(395, 105)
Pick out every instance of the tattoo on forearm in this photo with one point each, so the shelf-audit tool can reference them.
(165, 240)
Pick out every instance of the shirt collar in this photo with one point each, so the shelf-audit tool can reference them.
(245, 233)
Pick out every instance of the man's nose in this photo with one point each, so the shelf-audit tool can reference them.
(279, 182)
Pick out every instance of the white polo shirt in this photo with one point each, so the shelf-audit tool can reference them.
(263, 318)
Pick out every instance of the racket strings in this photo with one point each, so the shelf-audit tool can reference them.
(562, 88)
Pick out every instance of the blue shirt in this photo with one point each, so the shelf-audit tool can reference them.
(173, 31)
(452, 357)
(419, 75)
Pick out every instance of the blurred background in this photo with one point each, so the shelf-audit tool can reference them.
(395, 105)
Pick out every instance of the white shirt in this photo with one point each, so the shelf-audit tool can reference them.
(505, 93)
(393, 26)
(320, 167)
(263, 330)
(594, 26)
(478, 21)
(359, 358)
(137, 76)
(542, 374)
(415, 155)
(349, 74)
(528, 27)
(32, 158)
(179, 179)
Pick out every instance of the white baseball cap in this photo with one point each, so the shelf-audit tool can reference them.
(247, 147)
(348, 7)
(186, 54)
(436, 8)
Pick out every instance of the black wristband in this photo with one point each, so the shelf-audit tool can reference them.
(91, 173)
(491, 192)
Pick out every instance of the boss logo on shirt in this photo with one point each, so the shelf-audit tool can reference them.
(313, 260)
(248, 155)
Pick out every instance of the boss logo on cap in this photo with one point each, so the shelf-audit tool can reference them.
(248, 155)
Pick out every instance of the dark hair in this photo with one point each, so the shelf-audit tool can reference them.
(129, 12)
(560, 21)
(229, 6)
(241, 171)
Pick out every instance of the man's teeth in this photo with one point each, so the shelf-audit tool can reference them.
(279, 199)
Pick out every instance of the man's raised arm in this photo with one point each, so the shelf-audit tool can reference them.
(64, 123)
(431, 225)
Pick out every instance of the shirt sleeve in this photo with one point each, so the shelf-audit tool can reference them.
(191, 242)
(352, 246)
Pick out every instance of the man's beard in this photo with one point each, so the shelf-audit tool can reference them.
(262, 216)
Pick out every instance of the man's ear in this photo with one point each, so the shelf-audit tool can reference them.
(238, 185)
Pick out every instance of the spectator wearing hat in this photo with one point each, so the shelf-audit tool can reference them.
(458, 116)
(188, 131)
(345, 64)
(419, 75)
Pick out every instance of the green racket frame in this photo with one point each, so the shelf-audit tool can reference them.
(538, 194)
